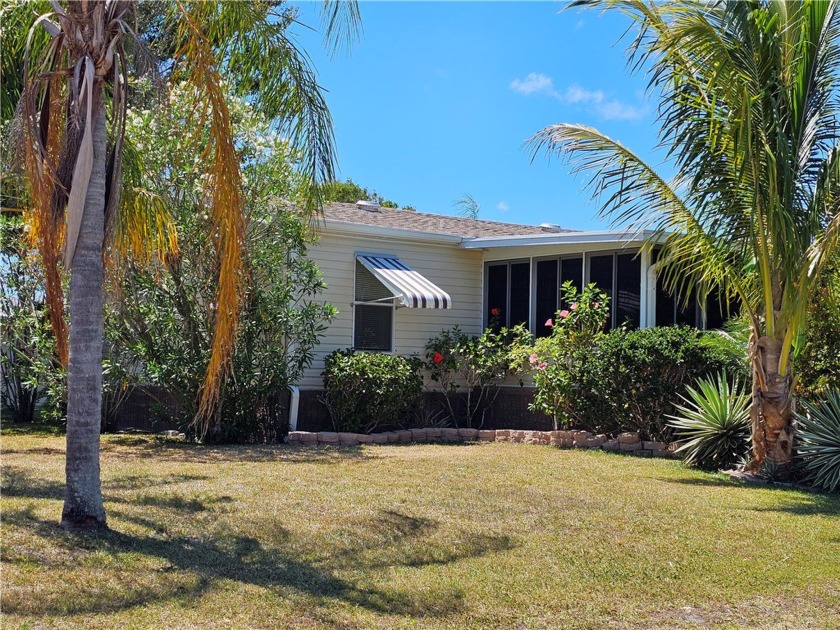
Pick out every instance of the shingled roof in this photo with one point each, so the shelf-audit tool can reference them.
(423, 222)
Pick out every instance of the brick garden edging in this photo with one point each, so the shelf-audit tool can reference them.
(629, 443)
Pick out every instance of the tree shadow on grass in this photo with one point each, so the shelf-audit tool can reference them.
(185, 452)
(16, 482)
(790, 500)
(809, 505)
(193, 564)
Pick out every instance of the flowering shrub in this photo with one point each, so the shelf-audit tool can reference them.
(479, 365)
(574, 333)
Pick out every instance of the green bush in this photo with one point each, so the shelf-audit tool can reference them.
(478, 365)
(818, 360)
(714, 426)
(818, 441)
(631, 379)
(365, 390)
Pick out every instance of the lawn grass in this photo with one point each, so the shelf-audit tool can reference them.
(485, 535)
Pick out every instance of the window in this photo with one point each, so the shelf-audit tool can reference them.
(619, 275)
(373, 316)
(551, 275)
(508, 293)
(548, 281)
(628, 285)
(670, 310)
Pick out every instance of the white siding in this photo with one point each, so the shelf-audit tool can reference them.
(456, 271)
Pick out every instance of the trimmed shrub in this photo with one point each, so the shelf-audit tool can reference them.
(366, 390)
(714, 426)
(818, 441)
(631, 379)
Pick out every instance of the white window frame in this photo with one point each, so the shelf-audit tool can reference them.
(383, 303)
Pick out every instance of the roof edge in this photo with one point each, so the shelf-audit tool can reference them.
(361, 229)
(561, 238)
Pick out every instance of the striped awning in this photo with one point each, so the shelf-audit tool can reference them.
(410, 287)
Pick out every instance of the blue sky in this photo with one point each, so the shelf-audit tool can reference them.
(436, 99)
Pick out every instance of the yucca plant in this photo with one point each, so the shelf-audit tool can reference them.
(818, 440)
(714, 427)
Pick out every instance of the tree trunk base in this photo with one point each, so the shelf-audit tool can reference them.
(82, 524)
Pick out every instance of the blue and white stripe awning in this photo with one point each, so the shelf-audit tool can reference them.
(410, 287)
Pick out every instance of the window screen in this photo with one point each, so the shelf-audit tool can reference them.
(497, 276)
(601, 273)
(373, 323)
(368, 288)
(547, 286)
(373, 327)
(520, 293)
(628, 289)
(571, 269)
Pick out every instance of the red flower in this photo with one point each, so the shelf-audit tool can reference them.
(495, 312)
(438, 357)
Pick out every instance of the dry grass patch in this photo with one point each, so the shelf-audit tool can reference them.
(485, 535)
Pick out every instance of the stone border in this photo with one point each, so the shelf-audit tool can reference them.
(629, 443)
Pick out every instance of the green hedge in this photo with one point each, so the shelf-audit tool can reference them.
(631, 379)
(366, 390)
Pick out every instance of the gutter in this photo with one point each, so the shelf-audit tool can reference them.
(294, 403)
(566, 238)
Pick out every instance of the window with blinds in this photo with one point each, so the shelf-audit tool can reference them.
(373, 317)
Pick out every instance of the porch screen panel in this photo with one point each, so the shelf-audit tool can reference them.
(497, 276)
(546, 298)
(688, 314)
(628, 290)
(665, 305)
(601, 273)
(520, 294)
(718, 311)
(571, 269)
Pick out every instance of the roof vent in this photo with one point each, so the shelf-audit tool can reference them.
(550, 227)
(369, 206)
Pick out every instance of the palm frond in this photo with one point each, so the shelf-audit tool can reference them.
(342, 24)
(696, 251)
(223, 196)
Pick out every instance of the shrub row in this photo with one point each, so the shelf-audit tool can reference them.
(625, 381)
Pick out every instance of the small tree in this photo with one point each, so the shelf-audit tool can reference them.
(574, 332)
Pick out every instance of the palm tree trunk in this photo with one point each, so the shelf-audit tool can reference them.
(772, 413)
(83, 508)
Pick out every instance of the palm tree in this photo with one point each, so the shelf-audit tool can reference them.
(73, 111)
(749, 120)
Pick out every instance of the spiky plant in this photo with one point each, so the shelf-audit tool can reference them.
(713, 427)
(818, 440)
(748, 117)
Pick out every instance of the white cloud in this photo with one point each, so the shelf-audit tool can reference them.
(502, 206)
(608, 109)
(576, 94)
(616, 110)
(594, 101)
(534, 83)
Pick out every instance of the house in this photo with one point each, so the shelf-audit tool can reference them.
(399, 277)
